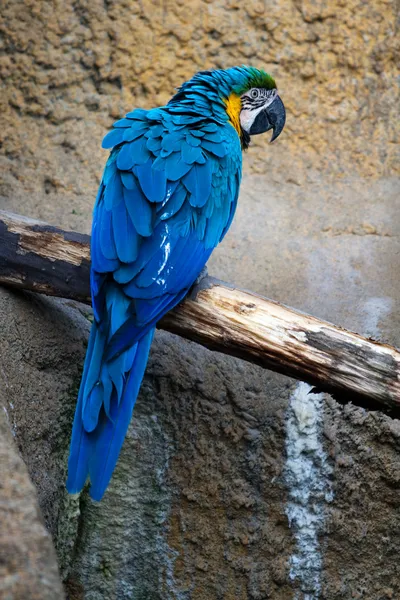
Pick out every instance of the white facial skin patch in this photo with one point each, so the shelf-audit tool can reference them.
(253, 102)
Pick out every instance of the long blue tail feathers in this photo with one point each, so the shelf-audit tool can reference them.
(106, 399)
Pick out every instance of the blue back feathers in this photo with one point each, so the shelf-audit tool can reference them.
(166, 199)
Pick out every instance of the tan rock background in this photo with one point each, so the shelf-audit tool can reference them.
(234, 483)
(68, 69)
(28, 567)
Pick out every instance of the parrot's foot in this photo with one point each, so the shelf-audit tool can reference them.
(201, 282)
(203, 273)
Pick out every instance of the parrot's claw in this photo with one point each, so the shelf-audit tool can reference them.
(202, 275)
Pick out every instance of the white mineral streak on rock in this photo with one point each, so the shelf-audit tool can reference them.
(375, 310)
(308, 478)
(9, 413)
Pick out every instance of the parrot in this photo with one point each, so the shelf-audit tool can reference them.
(166, 199)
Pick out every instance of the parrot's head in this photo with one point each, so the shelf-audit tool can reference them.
(245, 96)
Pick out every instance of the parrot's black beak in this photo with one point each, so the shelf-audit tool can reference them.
(273, 117)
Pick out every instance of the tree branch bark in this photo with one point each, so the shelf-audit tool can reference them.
(38, 257)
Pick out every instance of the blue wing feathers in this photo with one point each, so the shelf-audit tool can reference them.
(139, 114)
(125, 159)
(167, 197)
(175, 202)
(193, 140)
(176, 167)
(160, 163)
(109, 442)
(124, 123)
(139, 209)
(156, 131)
(190, 154)
(216, 149)
(133, 133)
(182, 220)
(152, 181)
(80, 448)
(125, 234)
(198, 183)
(128, 180)
(154, 144)
(113, 191)
(113, 138)
(106, 236)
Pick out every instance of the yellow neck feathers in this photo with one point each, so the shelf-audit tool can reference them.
(233, 107)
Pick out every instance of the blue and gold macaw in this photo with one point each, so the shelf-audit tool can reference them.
(167, 198)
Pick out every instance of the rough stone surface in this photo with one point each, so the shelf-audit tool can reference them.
(42, 338)
(197, 507)
(233, 483)
(28, 567)
(68, 69)
(190, 505)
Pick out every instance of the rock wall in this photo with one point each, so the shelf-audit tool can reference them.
(70, 68)
(234, 483)
(28, 566)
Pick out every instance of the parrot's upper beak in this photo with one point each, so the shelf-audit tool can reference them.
(272, 117)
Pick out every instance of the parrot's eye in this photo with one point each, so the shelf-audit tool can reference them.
(254, 93)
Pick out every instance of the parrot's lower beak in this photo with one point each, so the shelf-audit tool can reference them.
(273, 117)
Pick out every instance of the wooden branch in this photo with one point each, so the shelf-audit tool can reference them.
(41, 258)
(38, 257)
